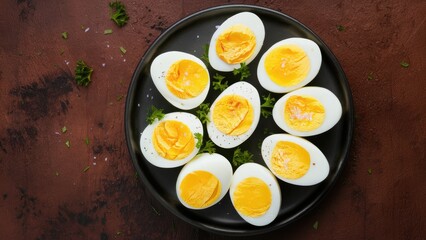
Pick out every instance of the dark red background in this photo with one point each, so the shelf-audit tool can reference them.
(45, 194)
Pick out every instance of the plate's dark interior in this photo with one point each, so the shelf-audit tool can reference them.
(190, 35)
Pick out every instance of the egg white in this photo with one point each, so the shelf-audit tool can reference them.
(332, 106)
(248, 19)
(256, 170)
(147, 147)
(247, 91)
(314, 54)
(215, 164)
(159, 69)
(319, 167)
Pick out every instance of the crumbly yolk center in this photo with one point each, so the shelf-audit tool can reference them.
(200, 189)
(287, 65)
(252, 197)
(233, 115)
(173, 140)
(304, 113)
(236, 44)
(290, 160)
(186, 79)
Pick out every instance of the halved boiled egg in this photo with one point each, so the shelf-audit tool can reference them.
(234, 115)
(204, 181)
(307, 111)
(171, 141)
(255, 194)
(289, 64)
(181, 78)
(294, 160)
(237, 40)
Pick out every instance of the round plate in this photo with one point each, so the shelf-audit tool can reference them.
(190, 35)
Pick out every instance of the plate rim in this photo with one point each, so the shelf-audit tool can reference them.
(305, 209)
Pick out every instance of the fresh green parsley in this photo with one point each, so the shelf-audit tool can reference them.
(203, 112)
(340, 28)
(315, 226)
(243, 71)
(199, 138)
(119, 98)
(240, 157)
(68, 143)
(370, 76)
(65, 35)
(83, 73)
(118, 13)
(154, 113)
(218, 84)
(86, 168)
(107, 31)
(404, 64)
(64, 129)
(86, 141)
(370, 171)
(208, 147)
(205, 56)
(123, 50)
(267, 106)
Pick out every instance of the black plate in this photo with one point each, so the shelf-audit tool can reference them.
(189, 35)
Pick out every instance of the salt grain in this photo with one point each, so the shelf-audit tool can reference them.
(94, 164)
(103, 64)
(87, 29)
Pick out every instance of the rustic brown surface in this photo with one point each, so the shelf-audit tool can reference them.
(45, 194)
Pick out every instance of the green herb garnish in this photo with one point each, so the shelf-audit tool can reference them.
(370, 76)
(86, 168)
(64, 129)
(315, 226)
(123, 50)
(340, 28)
(65, 35)
(120, 97)
(208, 147)
(243, 71)
(370, 171)
(205, 56)
(267, 106)
(155, 113)
(404, 64)
(203, 112)
(217, 83)
(118, 14)
(86, 140)
(107, 31)
(240, 157)
(199, 138)
(83, 73)
(68, 144)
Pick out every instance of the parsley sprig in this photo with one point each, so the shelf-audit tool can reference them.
(267, 106)
(153, 114)
(199, 138)
(83, 73)
(218, 84)
(118, 14)
(243, 71)
(240, 157)
(205, 56)
(203, 112)
(208, 147)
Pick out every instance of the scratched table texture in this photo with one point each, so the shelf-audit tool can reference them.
(90, 191)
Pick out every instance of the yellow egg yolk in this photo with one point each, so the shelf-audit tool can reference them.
(304, 113)
(233, 115)
(287, 65)
(252, 197)
(200, 189)
(236, 44)
(290, 160)
(186, 79)
(173, 140)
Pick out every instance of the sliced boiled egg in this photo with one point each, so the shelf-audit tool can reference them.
(204, 181)
(307, 111)
(234, 115)
(237, 40)
(181, 78)
(294, 160)
(255, 194)
(171, 141)
(289, 64)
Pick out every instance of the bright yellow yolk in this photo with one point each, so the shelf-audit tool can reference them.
(252, 197)
(290, 160)
(304, 113)
(287, 65)
(186, 79)
(233, 115)
(173, 140)
(236, 44)
(200, 189)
